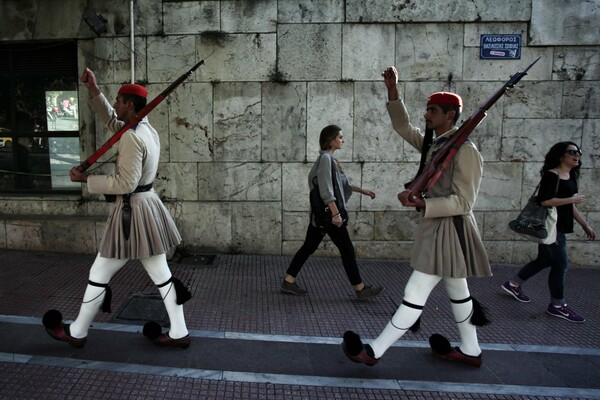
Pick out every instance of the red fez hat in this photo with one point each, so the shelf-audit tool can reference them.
(445, 98)
(131, 88)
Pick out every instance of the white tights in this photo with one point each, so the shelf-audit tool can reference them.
(103, 269)
(417, 291)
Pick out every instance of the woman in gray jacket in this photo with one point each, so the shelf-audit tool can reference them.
(334, 195)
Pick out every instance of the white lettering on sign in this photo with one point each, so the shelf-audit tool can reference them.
(502, 46)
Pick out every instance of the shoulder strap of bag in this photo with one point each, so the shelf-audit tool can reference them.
(555, 190)
(333, 180)
(535, 192)
(314, 179)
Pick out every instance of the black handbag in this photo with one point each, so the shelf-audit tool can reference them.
(319, 210)
(536, 222)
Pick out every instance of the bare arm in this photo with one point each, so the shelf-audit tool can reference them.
(366, 192)
(589, 232)
(556, 201)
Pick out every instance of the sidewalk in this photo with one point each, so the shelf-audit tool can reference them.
(250, 341)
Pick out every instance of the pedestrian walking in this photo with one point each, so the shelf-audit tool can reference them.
(138, 226)
(447, 245)
(558, 188)
(335, 190)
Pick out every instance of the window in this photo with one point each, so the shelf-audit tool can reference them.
(39, 117)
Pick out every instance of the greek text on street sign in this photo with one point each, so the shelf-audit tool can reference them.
(505, 47)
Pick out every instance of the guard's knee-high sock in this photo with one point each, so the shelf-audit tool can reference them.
(416, 292)
(178, 328)
(159, 272)
(403, 319)
(463, 310)
(101, 272)
(91, 304)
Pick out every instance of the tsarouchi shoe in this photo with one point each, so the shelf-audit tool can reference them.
(61, 332)
(357, 352)
(153, 331)
(165, 340)
(441, 348)
(458, 356)
(53, 322)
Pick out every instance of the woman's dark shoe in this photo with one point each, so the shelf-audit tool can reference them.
(292, 288)
(62, 333)
(165, 340)
(357, 352)
(368, 292)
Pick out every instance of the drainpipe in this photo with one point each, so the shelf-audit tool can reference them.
(132, 39)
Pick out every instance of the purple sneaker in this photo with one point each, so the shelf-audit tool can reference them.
(516, 292)
(565, 312)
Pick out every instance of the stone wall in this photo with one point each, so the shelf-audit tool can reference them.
(239, 136)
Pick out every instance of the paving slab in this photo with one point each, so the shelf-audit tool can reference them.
(250, 340)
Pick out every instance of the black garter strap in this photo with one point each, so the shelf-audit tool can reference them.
(478, 317)
(415, 327)
(461, 301)
(181, 292)
(411, 305)
(107, 297)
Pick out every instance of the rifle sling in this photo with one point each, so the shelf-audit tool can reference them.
(427, 140)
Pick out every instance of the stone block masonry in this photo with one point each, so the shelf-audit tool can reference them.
(240, 135)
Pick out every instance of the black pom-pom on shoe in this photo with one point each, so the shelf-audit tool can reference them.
(152, 330)
(52, 319)
(352, 343)
(53, 322)
(442, 349)
(357, 352)
(439, 344)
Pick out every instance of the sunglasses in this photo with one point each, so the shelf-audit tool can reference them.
(573, 152)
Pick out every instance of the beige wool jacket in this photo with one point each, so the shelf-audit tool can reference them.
(438, 248)
(138, 153)
(152, 229)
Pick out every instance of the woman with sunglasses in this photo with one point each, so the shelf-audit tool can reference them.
(558, 188)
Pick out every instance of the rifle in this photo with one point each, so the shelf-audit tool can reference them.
(439, 162)
(140, 115)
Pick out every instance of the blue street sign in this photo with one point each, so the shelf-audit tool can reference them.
(504, 47)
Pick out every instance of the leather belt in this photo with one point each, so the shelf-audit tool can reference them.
(126, 210)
